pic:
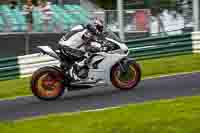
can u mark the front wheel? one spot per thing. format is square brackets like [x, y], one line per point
[47, 83]
[126, 80]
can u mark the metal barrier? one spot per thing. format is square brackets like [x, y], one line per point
[23, 66]
[160, 46]
[196, 42]
[153, 47]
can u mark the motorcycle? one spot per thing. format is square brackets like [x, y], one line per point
[110, 66]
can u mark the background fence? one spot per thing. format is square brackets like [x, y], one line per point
[153, 47]
[23, 66]
[160, 46]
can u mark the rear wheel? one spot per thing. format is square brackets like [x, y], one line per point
[126, 80]
[47, 83]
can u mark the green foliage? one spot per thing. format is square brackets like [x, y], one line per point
[106, 4]
[164, 4]
[160, 5]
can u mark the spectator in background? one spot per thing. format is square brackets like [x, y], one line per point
[155, 25]
[172, 21]
[28, 12]
[166, 22]
[141, 20]
[45, 8]
[13, 4]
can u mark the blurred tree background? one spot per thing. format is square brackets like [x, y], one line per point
[135, 4]
[107, 4]
[164, 4]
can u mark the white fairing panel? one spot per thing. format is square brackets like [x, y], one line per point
[77, 27]
[122, 46]
[104, 68]
[47, 50]
[110, 59]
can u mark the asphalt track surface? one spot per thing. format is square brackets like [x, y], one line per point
[102, 97]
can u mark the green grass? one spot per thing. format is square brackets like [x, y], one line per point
[153, 67]
[170, 65]
[17, 87]
[166, 116]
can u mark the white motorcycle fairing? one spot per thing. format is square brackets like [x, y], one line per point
[78, 27]
[47, 50]
[109, 60]
[104, 67]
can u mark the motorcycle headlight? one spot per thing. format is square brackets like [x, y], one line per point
[126, 51]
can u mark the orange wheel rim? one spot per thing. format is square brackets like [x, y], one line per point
[48, 86]
[126, 83]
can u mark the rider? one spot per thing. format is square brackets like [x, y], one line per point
[80, 38]
[82, 35]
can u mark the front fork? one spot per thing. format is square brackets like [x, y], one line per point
[124, 64]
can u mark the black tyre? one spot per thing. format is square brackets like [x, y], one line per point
[127, 80]
[47, 83]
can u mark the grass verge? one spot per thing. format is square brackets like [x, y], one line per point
[167, 116]
[150, 68]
